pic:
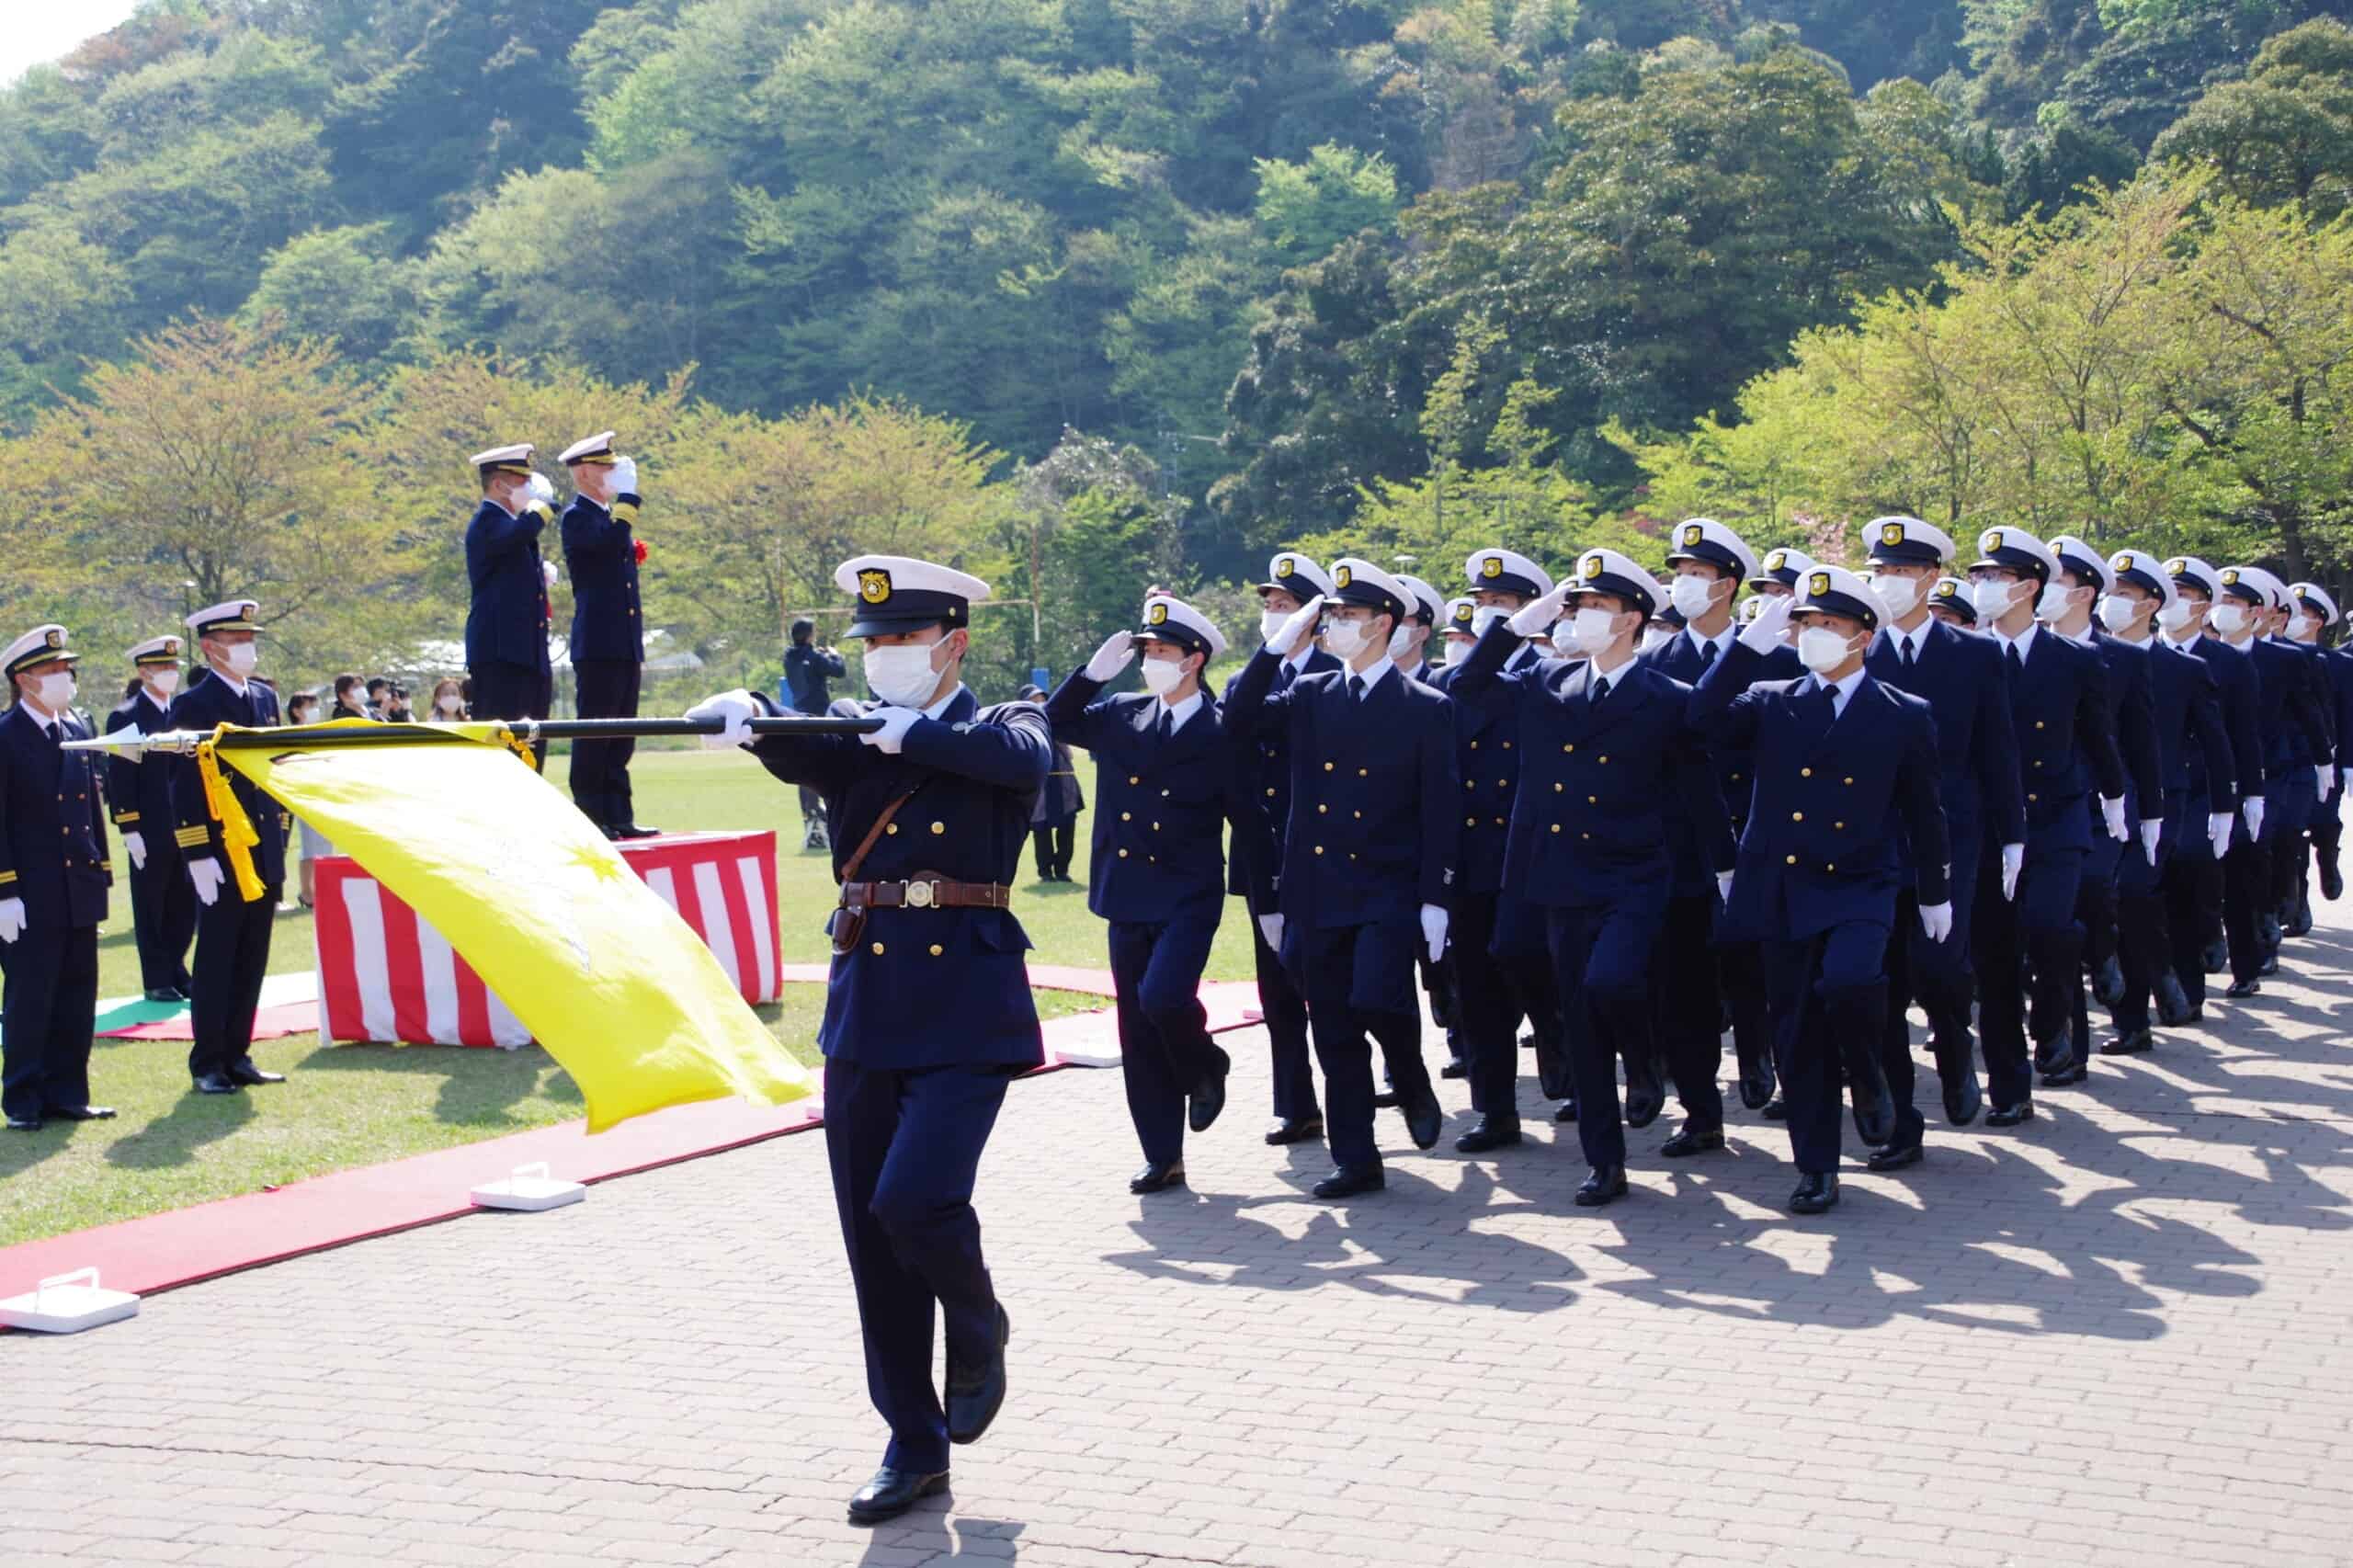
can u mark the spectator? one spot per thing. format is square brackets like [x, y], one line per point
[303, 708]
[349, 699]
[808, 666]
[1053, 821]
[449, 699]
[396, 706]
[378, 689]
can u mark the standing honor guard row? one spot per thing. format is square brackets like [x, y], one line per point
[163, 902]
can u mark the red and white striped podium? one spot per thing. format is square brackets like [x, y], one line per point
[385, 975]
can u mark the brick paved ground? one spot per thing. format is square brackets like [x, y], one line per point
[2120, 1339]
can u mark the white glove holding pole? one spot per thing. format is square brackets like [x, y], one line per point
[2013, 861]
[206, 875]
[1533, 619]
[2111, 811]
[735, 710]
[2218, 832]
[1112, 657]
[2151, 832]
[136, 848]
[1764, 634]
[2253, 808]
[1271, 927]
[1936, 919]
[1434, 931]
[1292, 634]
[12, 919]
[625, 476]
[896, 722]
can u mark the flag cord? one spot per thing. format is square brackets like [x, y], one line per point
[237, 835]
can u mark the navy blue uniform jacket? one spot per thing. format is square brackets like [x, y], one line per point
[2132, 704]
[807, 668]
[200, 707]
[1161, 812]
[507, 621]
[1601, 785]
[1680, 659]
[600, 556]
[52, 822]
[140, 792]
[1960, 677]
[1372, 832]
[1821, 847]
[930, 987]
[1487, 754]
[1266, 770]
[2066, 732]
[2188, 702]
[2240, 692]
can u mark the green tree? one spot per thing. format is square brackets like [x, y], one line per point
[2284, 133]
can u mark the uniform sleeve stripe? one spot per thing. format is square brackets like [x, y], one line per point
[626, 511]
[124, 819]
[6, 877]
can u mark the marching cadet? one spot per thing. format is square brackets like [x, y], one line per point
[928, 1013]
[1949, 602]
[2201, 779]
[1409, 650]
[162, 905]
[2084, 579]
[1502, 970]
[2294, 726]
[1776, 579]
[54, 880]
[1292, 580]
[1780, 574]
[1610, 755]
[2066, 744]
[1456, 629]
[1367, 855]
[1698, 977]
[1165, 785]
[2296, 629]
[1840, 758]
[507, 617]
[2317, 613]
[608, 645]
[232, 932]
[1961, 679]
[2196, 897]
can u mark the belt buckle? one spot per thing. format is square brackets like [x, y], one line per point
[920, 895]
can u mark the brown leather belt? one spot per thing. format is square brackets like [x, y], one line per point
[926, 892]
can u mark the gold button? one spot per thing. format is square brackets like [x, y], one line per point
[1568, 748]
[1499, 822]
[939, 827]
[1270, 789]
[1321, 808]
[1556, 827]
[878, 949]
[1558, 787]
[1793, 859]
[1506, 744]
[1364, 772]
[1475, 745]
[2032, 797]
[1735, 778]
[1123, 854]
[1155, 826]
[1838, 827]
[1360, 816]
[1327, 767]
[1352, 854]
[1469, 821]
[937, 949]
[2038, 762]
[892, 828]
[1850, 781]
[1805, 772]
[1163, 794]
[1605, 759]
[1585, 836]
[1134, 778]
[2038, 723]
[1469, 783]
[1796, 816]
[1319, 849]
[1123, 816]
[1593, 799]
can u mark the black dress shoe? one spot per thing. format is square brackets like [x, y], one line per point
[1646, 1092]
[2267, 930]
[1603, 1184]
[2011, 1115]
[1385, 1100]
[1455, 1068]
[2245, 988]
[81, 1113]
[216, 1083]
[1554, 1078]
[1347, 1181]
[2108, 985]
[2132, 1044]
[2054, 1053]
[892, 1492]
[2076, 1072]
[631, 830]
[1209, 1100]
[2173, 1007]
[24, 1124]
[1156, 1179]
[1963, 1096]
[1488, 1132]
[1566, 1111]
[1294, 1129]
[244, 1071]
[1818, 1190]
[1874, 1108]
[1424, 1119]
[614, 833]
[2271, 965]
[165, 993]
[1775, 1109]
[1757, 1082]
[2332, 881]
[2216, 958]
[2299, 922]
[975, 1393]
[1896, 1156]
[1692, 1140]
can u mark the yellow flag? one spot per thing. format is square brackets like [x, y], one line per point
[604, 973]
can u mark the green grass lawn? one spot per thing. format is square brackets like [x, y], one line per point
[355, 1105]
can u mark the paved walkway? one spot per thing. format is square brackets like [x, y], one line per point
[2125, 1338]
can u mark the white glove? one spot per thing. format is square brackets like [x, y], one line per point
[1292, 634]
[1112, 657]
[541, 492]
[624, 476]
[2150, 833]
[206, 876]
[2345, 778]
[136, 848]
[547, 572]
[1723, 886]
[735, 710]
[1531, 619]
[2321, 776]
[1764, 634]
[2218, 832]
[2111, 809]
[1434, 930]
[1936, 919]
[1271, 927]
[2013, 860]
[12, 919]
[2253, 807]
[896, 722]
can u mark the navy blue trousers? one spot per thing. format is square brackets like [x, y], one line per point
[608, 689]
[1602, 954]
[1937, 976]
[1285, 1011]
[2036, 929]
[1359, 981]
[1688, 1006]
[163, 911]
[904, 1146]
[47, 1010]
[1823, 988]
[232, 956]
[1165, 1052]
[511, 691]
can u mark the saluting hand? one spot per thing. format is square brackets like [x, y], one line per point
[1536, 618]
[1112, 657]
[624, 476]
[1292, 634]
[1764, 634]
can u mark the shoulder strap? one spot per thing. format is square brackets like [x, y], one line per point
[849, 867]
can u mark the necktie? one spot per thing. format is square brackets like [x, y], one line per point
[1356, 688]
[1600, 690]
[2017, 663]
[1707, 654]
[1167, 726]
[1910, 651]
[1829, 702]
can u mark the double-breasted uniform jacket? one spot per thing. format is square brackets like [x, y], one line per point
[139, 792]
[1487, 756]
[2194, 750]
[1682, 659]
[2066, 734]
[600, 557]
[209, 702]
[2290, 717]
[1822, 847]
[1960, 677]
[1372, 832]
[1266, 771]
[2238, 691]
[507, 619]
[2131, 708]
[52, 822]
[929, 987]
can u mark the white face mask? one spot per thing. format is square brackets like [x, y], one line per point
[2175, 616]
[1822, 650]
[2116, 612]
[164, 681]
[1270, 622]
[55, 691]
[2228, 620]
[1161, 675]
[2054, 603]
[1994, 599]
[446, 703]
[2303, 627]
[1897, 596]
[902, 674]
[1655, 637]
[1693, 596]
[1484, 620]
[1344, 640]
[241, 658]
[1401, 642]
[1591, 631]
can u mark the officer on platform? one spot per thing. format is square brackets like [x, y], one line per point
[1292, 580]
[1165, 785]
[1368, 855]
[506, 620]
[928, 1013]
[1841, 758]
[162, 905]
[608, 645]
[232, 931]
[54, 880]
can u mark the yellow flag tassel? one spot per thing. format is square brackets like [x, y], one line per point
[237, 832]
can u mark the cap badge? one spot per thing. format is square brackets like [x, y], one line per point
[1891, 533]
[2178, 565]
[1462, 612]
[2229, 576]
[1947, 589]
[1342, 576]
[1773, 561]
[1992, 541]
[874, 586]
[1593, 566]
[56, 638]
[2123, 561]
[1818, 584]
[1692, 534]
[1283, 566]
[2303, 590]
[1158, 615]
[1492, 567]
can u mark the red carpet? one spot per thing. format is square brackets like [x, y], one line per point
[269, 1023]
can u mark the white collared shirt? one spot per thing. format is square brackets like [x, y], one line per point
[1842, 692]
[1910, 645]
[1297, 663]
[940, 709]
[2023, 641]
[1721, 641]
[163, 704]
[1178, 713]
[1370, 674]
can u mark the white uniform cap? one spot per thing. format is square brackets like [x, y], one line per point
[2017, 548]
[2313, 597]
[1506, 571]
[1172, 620]
[2273, 591]
[1359, 582]
[163, 650]
[898, 593]
[2074, 555]
[1297, 575]
[1906, 541]
[1706, 539]
[596, 449]
[1784, 566]
[1458, 616]
[1608, 572]
[1427, 600]
[515, 458]
[2139, 566]
[229, 615]
[38, 646]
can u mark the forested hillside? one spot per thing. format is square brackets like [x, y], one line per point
[1148, 287]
